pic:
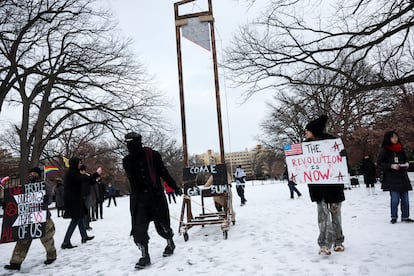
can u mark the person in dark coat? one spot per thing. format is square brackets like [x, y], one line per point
[59, 195]
[328, 197]
[369, 171]
[292, 185]
[111, 195]
[393, 163]
[87, 187]
[75, 208]
[144, 168]
[100, 197]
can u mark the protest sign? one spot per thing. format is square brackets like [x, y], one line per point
[196, 176]
[317, 162]
[23, 215]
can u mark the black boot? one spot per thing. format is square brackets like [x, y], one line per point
[12, 266]
[68, 245]
[88, 238]
[169, 249]
[145, 259]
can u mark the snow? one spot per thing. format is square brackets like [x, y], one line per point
[273, 235]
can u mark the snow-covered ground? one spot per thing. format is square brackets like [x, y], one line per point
[273, 235]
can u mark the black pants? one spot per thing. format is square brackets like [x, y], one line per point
[293, 189]
[240, 192]
[109, 202]
[149, 208]
[99, 209]
[171, 195]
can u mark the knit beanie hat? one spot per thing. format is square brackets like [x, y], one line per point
[36, 170]
[317, 126]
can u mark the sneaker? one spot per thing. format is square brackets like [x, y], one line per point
[67, 246]
[339, 248]
[88, 238]
[49, 261]
[143, 262]
[12, 266]
[394, 220]
[169, 249]
[324, 251]
[407, 220]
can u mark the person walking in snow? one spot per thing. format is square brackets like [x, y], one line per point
[291, 185]
[393, 163]
[87, 196]
[328, 197]
[22, 247]
[144, 168]
[75, 208]
[240, 177]
[369, 171]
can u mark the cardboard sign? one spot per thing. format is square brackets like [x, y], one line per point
[317, 162]
[23, 216]
[194, 177]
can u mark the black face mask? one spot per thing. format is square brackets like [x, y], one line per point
[33, 179]
[134, 146]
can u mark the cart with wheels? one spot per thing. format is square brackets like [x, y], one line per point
[205, 182]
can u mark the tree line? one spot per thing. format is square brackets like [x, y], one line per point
[352, 61]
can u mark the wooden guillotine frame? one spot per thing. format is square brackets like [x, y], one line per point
[222, 218]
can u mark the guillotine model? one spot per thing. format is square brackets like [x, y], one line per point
[213, 177]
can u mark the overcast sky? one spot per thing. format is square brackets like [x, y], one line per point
[151, 25]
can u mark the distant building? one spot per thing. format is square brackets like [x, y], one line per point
[247, 159]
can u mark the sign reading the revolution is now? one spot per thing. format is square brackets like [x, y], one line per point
[23, 215]
[317, 162]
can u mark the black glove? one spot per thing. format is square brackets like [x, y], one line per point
[178, 191]
[46, 198]
[343, 153]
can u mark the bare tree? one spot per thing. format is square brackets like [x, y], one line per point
[349, 113]
[63, 61]
[171, 152]
[295, 39]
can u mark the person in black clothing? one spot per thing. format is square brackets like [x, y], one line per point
[86, 196]
[75, 208]
[393, 162]
[369, 171]
[328, 197]
[291, 185]
[144, 167]
[100, 198]
[59, 195]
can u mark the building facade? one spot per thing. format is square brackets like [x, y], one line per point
[248, 159]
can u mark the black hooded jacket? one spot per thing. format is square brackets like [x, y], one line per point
[144, 168]
[74, 205]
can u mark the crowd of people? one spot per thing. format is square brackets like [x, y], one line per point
[80, 196]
